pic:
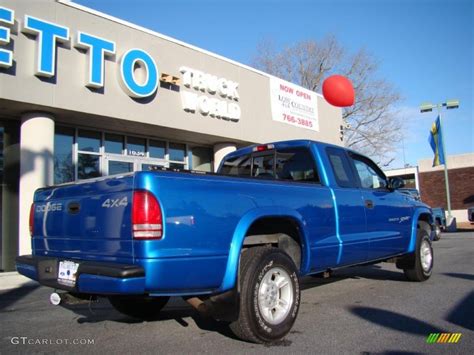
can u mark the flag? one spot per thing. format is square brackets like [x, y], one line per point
[436, 142]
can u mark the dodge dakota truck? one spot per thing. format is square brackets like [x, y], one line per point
[271, 214]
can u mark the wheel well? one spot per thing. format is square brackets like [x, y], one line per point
[426, 221]
[283, 233]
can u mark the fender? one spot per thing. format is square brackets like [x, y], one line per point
[238, 237]
[419, 211]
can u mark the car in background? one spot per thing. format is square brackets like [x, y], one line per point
[439, 215]
[470, 214]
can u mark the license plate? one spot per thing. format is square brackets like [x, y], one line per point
[67, 272]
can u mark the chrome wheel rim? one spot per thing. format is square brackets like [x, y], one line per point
[426, 256]
[275, 295]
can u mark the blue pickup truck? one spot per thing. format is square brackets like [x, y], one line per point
[272, 213]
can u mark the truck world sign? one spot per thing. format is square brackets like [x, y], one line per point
[48, 35]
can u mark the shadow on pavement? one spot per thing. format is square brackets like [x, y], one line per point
[460, 276]
[179, 311]
[463, 313]
[395, 321]
[392, 352]
[371, 272]
[9, 297]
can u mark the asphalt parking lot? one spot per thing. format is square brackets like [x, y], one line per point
[364, 310]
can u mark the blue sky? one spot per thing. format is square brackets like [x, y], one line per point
[425, 48]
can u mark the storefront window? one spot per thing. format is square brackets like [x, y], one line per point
[1, 154]
[63, 162]
[177, 152]
[136, 146]
[88, 141]
[88, 166]
[85, 154]
[201, 159]
[120, 167]
[113, 143]
[157, 149]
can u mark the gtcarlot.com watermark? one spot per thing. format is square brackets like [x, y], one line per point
[48, 341]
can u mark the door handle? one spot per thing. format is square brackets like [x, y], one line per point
[369, 203]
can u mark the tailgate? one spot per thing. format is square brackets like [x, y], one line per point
[88, 221]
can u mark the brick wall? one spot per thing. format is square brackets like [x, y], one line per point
[461, 187]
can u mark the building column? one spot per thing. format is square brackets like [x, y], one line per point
[220, 151]
[11, 177]
[417, 179]
[36, 166]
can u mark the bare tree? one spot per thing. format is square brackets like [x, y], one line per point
[374, 126]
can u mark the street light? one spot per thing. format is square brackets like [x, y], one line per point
[428, 107]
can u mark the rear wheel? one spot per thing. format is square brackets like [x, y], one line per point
[140, 307]
[269, 295]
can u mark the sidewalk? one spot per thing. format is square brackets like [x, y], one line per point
[10, 280]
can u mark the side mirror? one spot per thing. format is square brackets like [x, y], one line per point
[396, 183]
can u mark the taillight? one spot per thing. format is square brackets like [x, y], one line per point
[32, 219]
[146, 216]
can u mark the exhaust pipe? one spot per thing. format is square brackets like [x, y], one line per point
[199, 305]
[55, 299]
[224, 307]
[70, 299]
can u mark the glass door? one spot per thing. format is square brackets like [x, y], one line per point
[115, 165]
[153, 164]
[119, 164]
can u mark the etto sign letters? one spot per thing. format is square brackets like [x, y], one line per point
[48, 35]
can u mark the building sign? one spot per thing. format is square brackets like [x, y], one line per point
[293, 104]
[138, 72]
[210, 95]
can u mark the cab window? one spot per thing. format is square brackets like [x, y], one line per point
[341, 167]
[369, 174]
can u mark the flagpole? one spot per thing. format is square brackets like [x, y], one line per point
[448, 195]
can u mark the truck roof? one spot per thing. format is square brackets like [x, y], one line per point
[281, 145]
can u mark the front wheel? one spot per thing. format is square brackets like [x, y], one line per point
[140, 307]
[421, 265]
[269, 295]
[437, 231]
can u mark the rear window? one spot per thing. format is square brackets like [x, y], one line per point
[292, 164]
[296, 164]
[237, 166]
[263, 166]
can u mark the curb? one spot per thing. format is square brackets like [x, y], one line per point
[12, 280]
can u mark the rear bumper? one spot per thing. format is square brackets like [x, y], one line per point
[92, 277]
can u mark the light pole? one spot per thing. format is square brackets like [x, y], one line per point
[428, 107]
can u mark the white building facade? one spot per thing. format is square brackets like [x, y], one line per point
[83, 95]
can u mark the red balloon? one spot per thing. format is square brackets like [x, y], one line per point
[338, 91]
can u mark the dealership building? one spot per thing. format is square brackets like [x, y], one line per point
[430, 182]
[85, 95]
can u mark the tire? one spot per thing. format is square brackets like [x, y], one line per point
[141, 307]
[437, 231]
[421, 265]
[269, 295]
